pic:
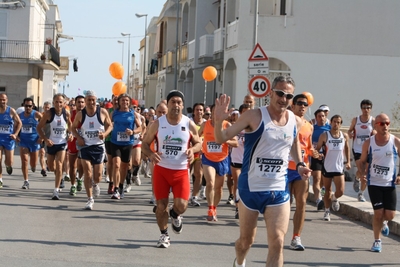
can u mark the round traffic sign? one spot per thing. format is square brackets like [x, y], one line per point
[259, 86]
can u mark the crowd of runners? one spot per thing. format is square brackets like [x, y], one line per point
[266, 156]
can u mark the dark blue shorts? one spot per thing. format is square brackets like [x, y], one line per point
[52, 150]
[95, 154]
[221, 167]
[258, 201]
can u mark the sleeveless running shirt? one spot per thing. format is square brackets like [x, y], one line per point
[28, 129]
[333, 161]
[362, 132]
[90, 128]
[122, 120]
[382, 163]
[266, 151]
[173, 141]
[58, 128]
[6, 124]
[210, 148]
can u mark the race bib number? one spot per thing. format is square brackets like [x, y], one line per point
[27, 129]
[122, 137]
[213, 147]
[59, 132]
[171, 152]
[92, 134]
[336, 144]
[380, 171]
[269, 168]
[4, 129]
[361, 139]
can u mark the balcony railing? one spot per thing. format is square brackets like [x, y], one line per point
[191, 49]
[28, 50]
[219, 35]
[232, 34]
[206, 48]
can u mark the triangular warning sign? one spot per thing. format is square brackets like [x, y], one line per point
[258, 54]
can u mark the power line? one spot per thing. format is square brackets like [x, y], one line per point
[100, 37]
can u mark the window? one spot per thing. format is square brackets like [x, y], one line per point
[2, 88]
[3, 24]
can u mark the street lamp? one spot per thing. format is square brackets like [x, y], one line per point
[138, 15]
[129, 56]
[63, 85]
[122, 42]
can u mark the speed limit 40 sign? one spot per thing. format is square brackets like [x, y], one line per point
[259, 86]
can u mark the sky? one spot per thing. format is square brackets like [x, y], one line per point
[96, 26]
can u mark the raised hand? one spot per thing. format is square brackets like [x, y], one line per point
[221, 110]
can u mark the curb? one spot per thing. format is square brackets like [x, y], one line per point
[360, 211]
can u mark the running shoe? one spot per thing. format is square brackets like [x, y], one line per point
[236, 213]
[122, 194]
[230, 200]
[67, 178]
[164, 241]
[194, 202]
[327, 216]
[33, 169]
[96, 190]
[361, 197]
[72, 191]
[176, 224]
[9, 170]
[128, 188]
[212, 215]
[296, 244]
[335, 205]
[137, 181]
[107, 179]
[89, 204]
[376, 246]
[80, 185]
[55, 195]
[322, 191]
[1, 184]
[320, 204]
[152, 200]
[43, 173]
[356, 184]
[110, 190]
[385, 229]
[62, 185]
[116, 195]
[25, 185]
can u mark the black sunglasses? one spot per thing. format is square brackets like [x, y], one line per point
[281, 93]
[28, 106]
[302, 103]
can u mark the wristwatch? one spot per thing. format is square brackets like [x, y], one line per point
[300, 164]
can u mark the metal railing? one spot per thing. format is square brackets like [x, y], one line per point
[29, 50]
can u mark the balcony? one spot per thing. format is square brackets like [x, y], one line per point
[191, 49]
[232, 34]
[183, 54]
[219, 40]
[27, 52]
[206, 49]
[167, 61]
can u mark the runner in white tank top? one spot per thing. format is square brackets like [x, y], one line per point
[335, 143]
[361, 128]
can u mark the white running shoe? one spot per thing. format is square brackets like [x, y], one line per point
[327, 216]
[55, 195]
[96, 190]
[137, 181]
[127, 188]
[335, 205]
[296, 244]
[164, 241]
[89, 204]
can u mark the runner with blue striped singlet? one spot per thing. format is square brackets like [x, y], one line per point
[29, 140]
[10, 125]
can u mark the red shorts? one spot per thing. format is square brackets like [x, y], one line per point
[72, 147]
[164, 179]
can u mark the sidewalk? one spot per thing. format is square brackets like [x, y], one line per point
[361, 211]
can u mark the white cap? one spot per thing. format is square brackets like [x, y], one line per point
[145, 110]
[324, 108]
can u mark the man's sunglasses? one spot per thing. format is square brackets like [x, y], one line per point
[281, 93]
[381, 123]
[302, 103]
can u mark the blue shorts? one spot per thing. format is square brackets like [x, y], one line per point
[52, 150]
[292, 176]
[7, 143]
[95, 154]
[258, 201]
[32, 146]
[221, 167]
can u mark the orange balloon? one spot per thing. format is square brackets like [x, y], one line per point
[119, 88]
[116, 70]
[310, 98]
[209, 73]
